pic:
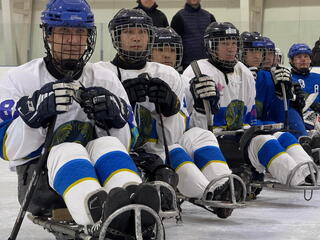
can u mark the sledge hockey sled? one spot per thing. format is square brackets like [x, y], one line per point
[67, 229]
[310, 186]
[231, 144]
[48, 210]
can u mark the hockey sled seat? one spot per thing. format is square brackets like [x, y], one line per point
[44, 199]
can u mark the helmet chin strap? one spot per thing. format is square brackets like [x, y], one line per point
[301, 71]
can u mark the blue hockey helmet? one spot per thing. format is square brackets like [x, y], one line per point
[299, 48]
[269, 44]
[68, 14]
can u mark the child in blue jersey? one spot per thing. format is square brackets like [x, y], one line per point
[269, 99]
[300, 59]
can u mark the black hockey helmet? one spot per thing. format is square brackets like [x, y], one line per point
[216, 32]
[167, 37]
[269, 53]
[131, 18]
[251, 41]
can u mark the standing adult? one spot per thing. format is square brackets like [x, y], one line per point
[190, 23]
[159, 19]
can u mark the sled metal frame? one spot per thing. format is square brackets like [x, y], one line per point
[71, 230]
[175, 212]
[314, 169]
[314, 173]
[220, 204]
[137, 208]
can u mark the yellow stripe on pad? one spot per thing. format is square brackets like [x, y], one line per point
[4, 149]
[77, 182]
[213, 161]
[277, 155]
[118, 171]
[182, 164]
[292, 145]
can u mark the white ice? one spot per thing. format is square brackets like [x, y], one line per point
[275, 215]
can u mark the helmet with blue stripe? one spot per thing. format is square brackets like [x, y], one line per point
[68, 14]
[299, 48]
[269, 44]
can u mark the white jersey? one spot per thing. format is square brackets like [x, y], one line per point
[146, 116]
[21, 143]
[237, 100]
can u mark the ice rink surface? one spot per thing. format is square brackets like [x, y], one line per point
[275, 215]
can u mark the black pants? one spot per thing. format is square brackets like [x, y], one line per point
[44, 198]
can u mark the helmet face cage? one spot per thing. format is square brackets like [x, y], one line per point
[268, 58]
[69, 48]
[212, 44]
[256, 48]
[247, 56]
[165, 49]
[138, 38]
[69, 34]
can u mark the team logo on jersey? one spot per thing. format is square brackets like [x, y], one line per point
[234, 115]
[73, 131]
[145, 124]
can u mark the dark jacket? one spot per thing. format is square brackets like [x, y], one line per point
[159, 18]
[190, 23]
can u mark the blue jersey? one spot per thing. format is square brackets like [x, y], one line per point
[271, 109]
[309, 83]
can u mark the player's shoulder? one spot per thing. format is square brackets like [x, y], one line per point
[205, 67]
[243, 68]
[159, 70]
[28, 68]
[25, 74]
[100, 73]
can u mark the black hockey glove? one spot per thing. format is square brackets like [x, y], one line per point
[136, 89]
[52, 99]
[106, 109]
[315, 107]
[299, 102]
[204, 88]
[160, 93]
[282, 75]
[254, 71]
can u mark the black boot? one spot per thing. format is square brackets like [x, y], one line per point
[315, 145]
[168, 175]
[305, 142]
[223, 193]
[116, 199]
[147, 195]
